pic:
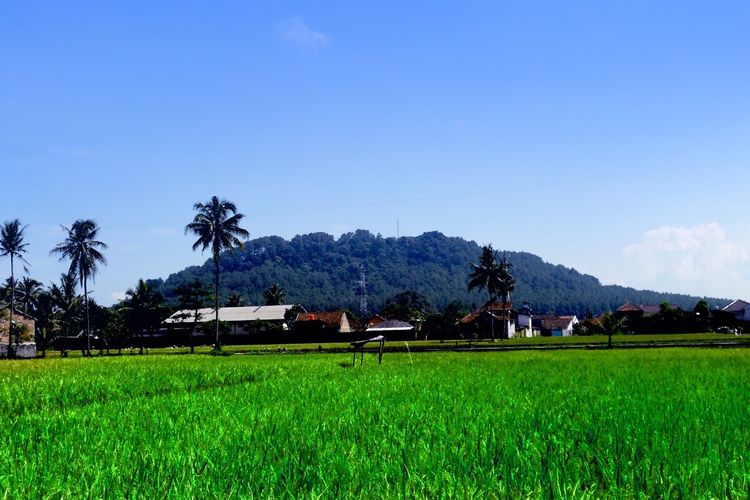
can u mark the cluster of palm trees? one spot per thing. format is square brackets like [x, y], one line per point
[57, 309]
[493, 275]
[60, 310]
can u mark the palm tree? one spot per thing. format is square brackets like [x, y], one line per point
[235, 300]
[67, 302]
[12, 245]
[28, 293]
[142, 308]
[44, 316]
[216, 224]
[191, 298]
[83, 250]
[274, 295]
[67, 307]
[486, 274]
[5, 291]
[494, 277]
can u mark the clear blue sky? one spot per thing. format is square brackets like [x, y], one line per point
[613, 137]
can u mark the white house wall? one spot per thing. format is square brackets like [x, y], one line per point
[524, 321]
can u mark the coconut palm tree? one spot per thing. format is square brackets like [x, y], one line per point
[217, 225]
[27, 294]
[486, 274]
[5, 291]
[67, 305]
[13, 246]
[274, 295]
[44, 316]
[142, 308]
[83, 250]
[235, 300]
[494, 277]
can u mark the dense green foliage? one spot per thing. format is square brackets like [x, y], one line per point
[321, 272]
[660, 423]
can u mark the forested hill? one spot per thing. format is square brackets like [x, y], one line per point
[321, 272]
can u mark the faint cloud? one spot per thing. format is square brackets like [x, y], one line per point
[700, 257]
[297, 32]
[459, 123]
[118, 296]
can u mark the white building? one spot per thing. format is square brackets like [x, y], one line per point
[241, 319]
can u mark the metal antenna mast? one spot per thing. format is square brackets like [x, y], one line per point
[362, 292]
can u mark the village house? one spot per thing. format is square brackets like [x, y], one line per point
[632, 316]
[738, 309]
[524, 323]
[315, 324]
[629, 310]
[552, 325]
[563, 326]
[495, 319]
[374, 320]
[27, 346]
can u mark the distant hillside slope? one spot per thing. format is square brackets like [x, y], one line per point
[322, 272]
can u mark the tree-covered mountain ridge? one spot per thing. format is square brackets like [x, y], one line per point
[322, 272]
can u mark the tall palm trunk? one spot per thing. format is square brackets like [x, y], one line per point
[491, 301]
[88, 320]
[11, 352]
[216, 302]
[192, 338]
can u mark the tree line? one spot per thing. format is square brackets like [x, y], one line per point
[323, 273]
[421, 277]
[59, 310]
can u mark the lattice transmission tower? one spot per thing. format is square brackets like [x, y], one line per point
[362, 292]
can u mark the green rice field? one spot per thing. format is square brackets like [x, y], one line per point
[664, 423]
[461, 344]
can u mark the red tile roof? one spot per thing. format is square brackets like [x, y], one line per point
[330, 318]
